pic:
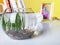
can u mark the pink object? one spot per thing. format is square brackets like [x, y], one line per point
[45, 12]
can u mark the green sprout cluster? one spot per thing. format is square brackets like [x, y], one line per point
[17, 26]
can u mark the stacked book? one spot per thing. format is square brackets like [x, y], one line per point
[12, 6]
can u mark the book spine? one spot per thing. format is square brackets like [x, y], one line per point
[1, 8]
[8, 6]
[13, 5]
[20, 5]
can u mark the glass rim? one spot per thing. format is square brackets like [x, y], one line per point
[19, 11]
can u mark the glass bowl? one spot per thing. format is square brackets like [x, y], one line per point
[21, 24]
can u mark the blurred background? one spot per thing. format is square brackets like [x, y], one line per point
[36, 5]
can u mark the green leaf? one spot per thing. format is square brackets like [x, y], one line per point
[3, 23]
[8, 24]
[13, 26]
[18, 22]
[23, 22]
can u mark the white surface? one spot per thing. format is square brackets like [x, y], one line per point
[51, 37]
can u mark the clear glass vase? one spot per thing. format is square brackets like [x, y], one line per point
[20, 23]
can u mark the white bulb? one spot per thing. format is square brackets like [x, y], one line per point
[36, 33]
[13, 17]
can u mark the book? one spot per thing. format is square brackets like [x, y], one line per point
[1, 8]
[21, 5]
[13, 5]
[7, 6]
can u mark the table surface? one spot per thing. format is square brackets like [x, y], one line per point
[50, 37]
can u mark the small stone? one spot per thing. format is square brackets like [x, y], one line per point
[22, 34]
